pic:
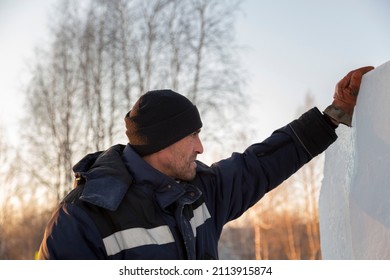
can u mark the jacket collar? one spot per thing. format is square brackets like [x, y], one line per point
[109, 174]
[165, 189]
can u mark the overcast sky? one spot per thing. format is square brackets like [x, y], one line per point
[289, 48]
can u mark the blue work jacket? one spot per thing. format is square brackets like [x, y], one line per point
[122, 208]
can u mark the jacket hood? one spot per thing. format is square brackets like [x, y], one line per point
[106, 177]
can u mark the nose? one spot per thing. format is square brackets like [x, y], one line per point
[198, 147]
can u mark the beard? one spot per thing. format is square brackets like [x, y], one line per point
[185, 172]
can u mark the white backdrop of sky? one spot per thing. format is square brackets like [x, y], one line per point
[289, 48]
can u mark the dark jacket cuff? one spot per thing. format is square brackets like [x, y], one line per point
[314, 132]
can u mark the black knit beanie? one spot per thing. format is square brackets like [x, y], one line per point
[160, 118]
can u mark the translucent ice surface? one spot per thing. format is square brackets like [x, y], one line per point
[354, 204]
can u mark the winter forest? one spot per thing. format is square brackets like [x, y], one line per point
[101, 56]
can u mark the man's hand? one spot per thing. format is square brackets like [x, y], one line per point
[345, 96]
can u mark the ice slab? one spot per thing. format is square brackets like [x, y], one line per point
[354, 203]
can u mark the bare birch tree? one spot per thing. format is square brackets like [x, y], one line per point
[21, 215]
[104, 54]
[51, 107]
[308, 179]
[3, 192]
[285, 222]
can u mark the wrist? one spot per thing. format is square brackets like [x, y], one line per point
[332, 122]
[337, 115]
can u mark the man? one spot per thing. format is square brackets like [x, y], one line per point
[152, 199]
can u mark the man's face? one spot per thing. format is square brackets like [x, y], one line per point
[180, 157]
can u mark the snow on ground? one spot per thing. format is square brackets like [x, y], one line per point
[354, 203]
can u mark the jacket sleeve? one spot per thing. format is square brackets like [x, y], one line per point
[240, 181]
[71, 235]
